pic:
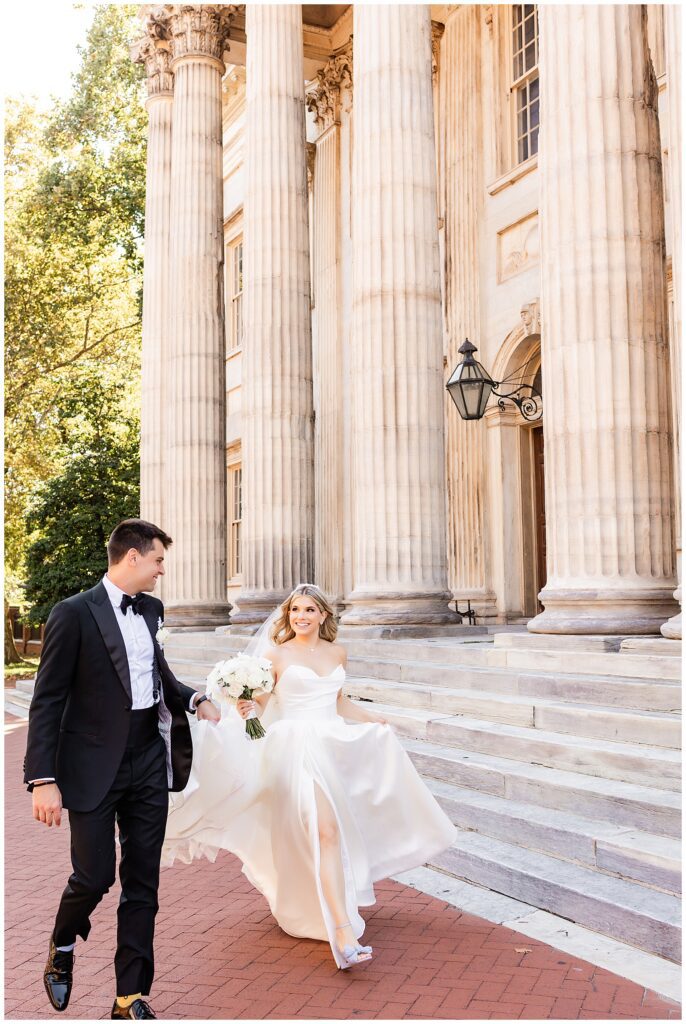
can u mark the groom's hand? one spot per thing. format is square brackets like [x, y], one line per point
[47, 804]
[208, 712]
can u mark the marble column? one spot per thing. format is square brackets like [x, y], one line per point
[154, 52]
[196, 476]
[466, 443]
[398, 452]
[330, 91]
[673, 57]
[276, 399]
[609, 491]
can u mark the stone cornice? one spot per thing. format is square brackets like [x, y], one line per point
[324, 95]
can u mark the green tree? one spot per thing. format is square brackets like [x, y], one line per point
[74, 207]
[73, 513]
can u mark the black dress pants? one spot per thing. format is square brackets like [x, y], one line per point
[138, 801]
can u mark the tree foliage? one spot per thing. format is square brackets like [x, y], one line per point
[74, 207]
[72, 515]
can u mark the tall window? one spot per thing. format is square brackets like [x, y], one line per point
[525, 79]
[236, 507]
[236, 291]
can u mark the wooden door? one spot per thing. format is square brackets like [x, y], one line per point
[539, 510]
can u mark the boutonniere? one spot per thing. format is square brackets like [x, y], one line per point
[162, 634]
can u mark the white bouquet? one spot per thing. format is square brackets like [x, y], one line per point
[237, 679]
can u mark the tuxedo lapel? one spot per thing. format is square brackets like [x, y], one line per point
[152, 621]
[102, 611]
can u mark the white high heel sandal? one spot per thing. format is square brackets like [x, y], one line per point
[356, 954]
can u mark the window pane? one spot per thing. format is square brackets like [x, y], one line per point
[524, 67]
[533, 115]
[530, 60]
[522, 123]
[238, 304]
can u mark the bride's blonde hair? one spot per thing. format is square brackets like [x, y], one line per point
[281, 631]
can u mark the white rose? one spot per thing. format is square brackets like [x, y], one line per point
[162, 635]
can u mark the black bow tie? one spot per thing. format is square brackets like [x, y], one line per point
[131, 602]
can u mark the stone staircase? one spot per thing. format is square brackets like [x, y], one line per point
[559, 764]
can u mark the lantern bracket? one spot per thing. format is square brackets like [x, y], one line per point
[530, 405]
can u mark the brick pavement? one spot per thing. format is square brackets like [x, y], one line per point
[221, 956]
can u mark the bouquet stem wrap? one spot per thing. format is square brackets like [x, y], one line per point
[253, 726]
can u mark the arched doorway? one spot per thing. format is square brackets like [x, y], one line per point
[518, 478]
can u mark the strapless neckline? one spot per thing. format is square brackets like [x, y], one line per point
[308, 669]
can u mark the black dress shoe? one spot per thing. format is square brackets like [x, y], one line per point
[139, 1010]
[58, 976]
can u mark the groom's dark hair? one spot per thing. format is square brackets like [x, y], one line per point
[134, 533]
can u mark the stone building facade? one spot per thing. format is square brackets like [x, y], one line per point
[339, 195]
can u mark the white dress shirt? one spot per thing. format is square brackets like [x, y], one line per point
[140, 650]
[139, 647]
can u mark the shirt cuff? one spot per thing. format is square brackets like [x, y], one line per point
[32, 782]
[191, 702]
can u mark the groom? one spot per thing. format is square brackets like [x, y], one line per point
[108, 737]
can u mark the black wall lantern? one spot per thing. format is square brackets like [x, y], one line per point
[471, 386]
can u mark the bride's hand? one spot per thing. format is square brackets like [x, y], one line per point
[245, 707]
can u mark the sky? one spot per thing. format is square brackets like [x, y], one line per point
[38, 48]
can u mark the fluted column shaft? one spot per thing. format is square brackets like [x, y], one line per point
[154, 53]
[396, 357]
[327, 98]
[672, 16]
[609, 487]
[196, 495]
[276, 400]
[465, 442]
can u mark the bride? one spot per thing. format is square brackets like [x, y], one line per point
[317, 810]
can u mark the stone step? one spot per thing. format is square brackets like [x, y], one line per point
[645, 808]
[628, 853]
[478, 651]
[638, 694]
[626, 911]
[27, 685]
[641, 694]
[17, 702]
[636, 763]
[610, 723]
[651, 645]
[640, 764]
[638, 666]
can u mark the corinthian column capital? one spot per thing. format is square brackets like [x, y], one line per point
[153, 50]
[325, 95]
[200, 30]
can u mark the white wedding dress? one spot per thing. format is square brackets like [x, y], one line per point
[256, 798]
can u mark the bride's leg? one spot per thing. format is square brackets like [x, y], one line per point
[331, 869]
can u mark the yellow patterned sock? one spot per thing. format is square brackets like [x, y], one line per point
[126, 1001]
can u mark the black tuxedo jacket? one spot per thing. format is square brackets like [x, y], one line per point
[81, 707]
